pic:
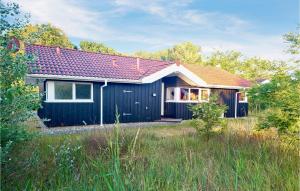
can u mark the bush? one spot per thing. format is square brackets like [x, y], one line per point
[279, 102]
[207, 115]
[17, 99]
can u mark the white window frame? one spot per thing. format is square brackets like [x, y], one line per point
[168, 92]
[177, 95]
[246, 98]
[200, 95]
[50, 93]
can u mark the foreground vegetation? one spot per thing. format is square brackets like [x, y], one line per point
[160, 158]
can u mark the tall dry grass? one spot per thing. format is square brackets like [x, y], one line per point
[234, 158]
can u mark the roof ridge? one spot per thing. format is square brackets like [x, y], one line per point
[126, 56]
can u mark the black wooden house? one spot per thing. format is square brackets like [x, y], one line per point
[90, 88]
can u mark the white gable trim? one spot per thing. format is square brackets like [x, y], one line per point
[183, 72]
[81, 78]
[177, 70]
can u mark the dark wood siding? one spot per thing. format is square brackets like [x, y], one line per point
[134, 102]
[180, 110]
[175, 81]
[67, 114]
[227, 97]
[242, 109]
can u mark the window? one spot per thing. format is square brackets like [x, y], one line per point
[184, 94]
[241, 96]
[170, 93]
[60, 91]
[204, 94]
[83, 91]
[194, 93]
[63, 90]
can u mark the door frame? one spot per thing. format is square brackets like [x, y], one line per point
[162, 105]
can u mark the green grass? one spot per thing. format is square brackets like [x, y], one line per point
[160, 158]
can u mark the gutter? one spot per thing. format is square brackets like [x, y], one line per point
[81, 78]
[101, 102]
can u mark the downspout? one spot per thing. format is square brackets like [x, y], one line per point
[101, 102]
[235, 105]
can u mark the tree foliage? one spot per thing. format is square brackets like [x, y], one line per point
[207, 115]
[253, 68]
[229, 60]
[158, 55]
[279, 100]
[45, 34]
[97, 47]
[293, 39]
[17, 100]
[185, 53]
[257, 68]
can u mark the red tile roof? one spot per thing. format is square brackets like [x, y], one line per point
[217, 76]
[69, 62]
[50, 60]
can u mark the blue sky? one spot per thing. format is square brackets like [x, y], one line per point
[254, 27]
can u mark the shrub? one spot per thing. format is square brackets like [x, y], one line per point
[17, 99]
[278, 101]
[207, 115]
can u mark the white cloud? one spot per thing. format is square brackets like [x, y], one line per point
[176, 13]
[71, 17]
[171, 23]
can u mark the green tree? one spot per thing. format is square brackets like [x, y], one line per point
[207, 115]
[158, 55]
[186, 53]
[293, 39]
[250, 68]
[256, 68]
[97, 47]
[17, 100]
[45, 34]
[229, 60]
[279, 102]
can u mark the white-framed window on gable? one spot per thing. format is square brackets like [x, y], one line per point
[184, 94]
[194, 94]
[242, 97]
[204, 94]
[63, 91]
[170, 94]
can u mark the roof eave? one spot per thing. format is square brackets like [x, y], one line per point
[82, 78]
[227, 87]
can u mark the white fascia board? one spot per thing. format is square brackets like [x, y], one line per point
[80, 78]
[227, 87]
[174, 69]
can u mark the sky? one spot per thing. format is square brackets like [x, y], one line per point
[253, 27]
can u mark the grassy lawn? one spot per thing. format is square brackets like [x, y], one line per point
[158, 158]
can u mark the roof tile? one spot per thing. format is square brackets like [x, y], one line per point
[89, 64]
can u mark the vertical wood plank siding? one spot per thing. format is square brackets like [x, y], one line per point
[227, 97]
[242, 109]
[68, 114]
[135, 103]
[180, 110]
